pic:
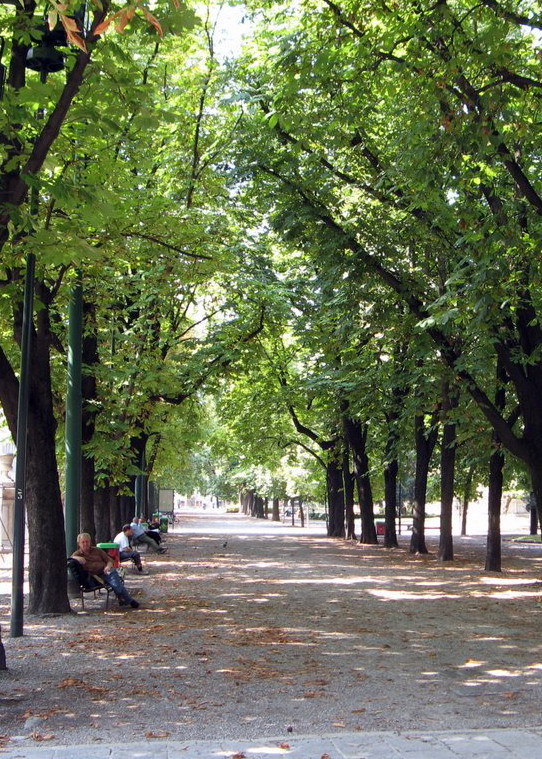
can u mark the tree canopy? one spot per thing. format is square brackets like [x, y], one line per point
[316, 258]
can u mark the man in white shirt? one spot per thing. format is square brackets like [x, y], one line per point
[126, 550]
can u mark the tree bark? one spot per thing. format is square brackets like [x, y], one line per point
[335, 498]
[467, 494]
[301, 513]
[447, 474]
[258, 508]
[115, 517]
[3, 664]
[356, 434]
[425, 443]
[275, 517]
[102, 514]
[126, 507]
[348, 484]
[390, 490]
[90, 360]
[493, 552]
[496, 466]
[533, 515]
[47, 544]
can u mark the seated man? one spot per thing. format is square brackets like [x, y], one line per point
[150, 531]
[99, 563]
[125, 549]
[140, 536]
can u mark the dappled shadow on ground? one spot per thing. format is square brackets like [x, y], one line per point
[247, 634]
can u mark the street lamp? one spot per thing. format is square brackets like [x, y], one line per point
[45, 59]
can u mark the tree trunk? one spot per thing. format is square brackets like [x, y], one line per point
[335, 498]
[425, 443]
[90, 360]
[348, 484]
[115, 518]
[447, 474]
[276, 510]
[533, 514]
[47, 543]
[356, 434]
[301, 513]
[258, 508]
[390, 491]
[467, 494]
[493, 552]
[496, 466]
[3, 664]
[87, 497]
[101, 514]
[128, 506]
[494, 498]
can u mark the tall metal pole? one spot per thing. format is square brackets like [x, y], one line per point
[72, 496]
[17, 592]
[17, 584]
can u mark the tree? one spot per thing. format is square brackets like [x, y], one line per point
[399, 155]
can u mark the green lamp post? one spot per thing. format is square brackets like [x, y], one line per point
[45, 59]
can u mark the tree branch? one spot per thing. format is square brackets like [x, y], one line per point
[405, 290]
[219, 360]
[515, 18]
[169, 246]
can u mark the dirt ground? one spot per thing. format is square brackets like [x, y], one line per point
[249, 629]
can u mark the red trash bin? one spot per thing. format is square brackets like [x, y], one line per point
[113, 549]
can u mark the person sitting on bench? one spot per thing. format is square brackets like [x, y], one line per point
[152, 532]
[140, 536]
[97, 562]
[125, 549]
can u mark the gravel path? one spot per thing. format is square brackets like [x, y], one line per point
[249, 628]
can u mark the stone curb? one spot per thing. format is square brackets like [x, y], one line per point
[453, 744]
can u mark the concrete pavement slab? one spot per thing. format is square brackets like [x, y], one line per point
[520, 743]
[476, 744]
[83, 752]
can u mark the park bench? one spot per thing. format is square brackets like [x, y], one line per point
[88, 583]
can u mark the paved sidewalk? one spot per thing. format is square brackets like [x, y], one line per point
[475, 744]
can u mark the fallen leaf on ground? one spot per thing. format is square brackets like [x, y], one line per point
[69, 682]
[42, 737]
[157, 734]
[284, 745]
[325, 756]
[238, 755]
